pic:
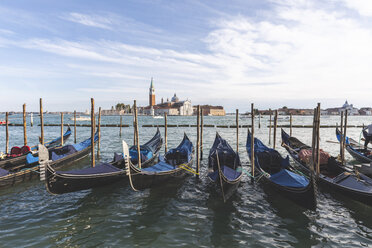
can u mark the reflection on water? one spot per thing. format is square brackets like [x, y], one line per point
[186, 213]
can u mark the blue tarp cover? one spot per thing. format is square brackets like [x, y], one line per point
[99, 169]
[31, 159]
[85, 143]
[66, 150]
[229, 173]
[3, 172]
[289, 179]
[161, 166]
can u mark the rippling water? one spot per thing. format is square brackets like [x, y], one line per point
[186, 213]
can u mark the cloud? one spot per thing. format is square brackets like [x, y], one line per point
[363, 7]
[296, 51]
[89, 20]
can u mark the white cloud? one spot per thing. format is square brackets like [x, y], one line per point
[89, 20]
[300, 52]
[364, 7]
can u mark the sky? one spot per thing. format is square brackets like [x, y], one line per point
[291, 53]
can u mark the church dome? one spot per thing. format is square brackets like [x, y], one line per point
[175, 98]
[346, 104]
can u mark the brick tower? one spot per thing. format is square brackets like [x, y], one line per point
[152, 94]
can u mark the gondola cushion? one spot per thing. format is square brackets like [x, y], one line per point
[161, 166]
[289, 179]
[63, 152]
[229, 173]
[99, 169]
[31, 159]
[3, 172]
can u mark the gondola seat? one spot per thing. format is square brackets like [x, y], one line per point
[99, 169]
[228, 172]
[64, 151]
[289, 179]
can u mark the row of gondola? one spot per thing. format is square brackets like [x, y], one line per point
[297, 183]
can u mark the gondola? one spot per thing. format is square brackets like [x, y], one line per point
[18, 156]
[355, 149]
[332, 174]
[281, 176]
[58, 156]
[60, 182]
[224, 167]
[175, 164]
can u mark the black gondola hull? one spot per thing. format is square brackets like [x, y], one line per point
[9, 163]
[66, 183]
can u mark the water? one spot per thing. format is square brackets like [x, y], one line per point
[187, 213]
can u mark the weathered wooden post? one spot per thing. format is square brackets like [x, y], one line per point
[313, 142]
[137, 134]
[259, 120]
[62, 129]
[24, 125]
[165, 132]
[344, 139]
[341, 130]
[237, 130]
[121, 124]
[32, 119]
[252, 143]
[317, 141]
[6, 133]
[275, 125]
[41, 122]
[290, 124]
[75, 126]
[198, 142]
[270, 127]
[99, 133]
[92, 120]
[201, 133]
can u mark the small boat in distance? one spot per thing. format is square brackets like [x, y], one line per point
[81, 118]
[158, 117]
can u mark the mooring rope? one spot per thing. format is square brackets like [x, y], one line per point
[188, 168]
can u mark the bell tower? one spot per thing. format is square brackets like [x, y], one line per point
[152, 94]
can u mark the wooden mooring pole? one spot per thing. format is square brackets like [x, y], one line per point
[137, 134]
[259, 120]
[165, 133]
[62, 129]
[290, 124]
[198, 142]
[41, 122]
[92, 121]
[75, 126]
[252, 144]
[342, 130]
[237, 130]
[275, 126]
[6, 133]
[270, 127]
[99, 133]
[344, 140]
[201, 133]
[24, 125]
[313, 141]
[121, 124]
[317, 141]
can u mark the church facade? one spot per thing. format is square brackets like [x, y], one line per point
[172, 107]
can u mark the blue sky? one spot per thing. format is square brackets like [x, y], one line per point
[231, 53]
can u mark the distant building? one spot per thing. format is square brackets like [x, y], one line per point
[211, 110]
[350, 109]
[173, 107]
[365, 111]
